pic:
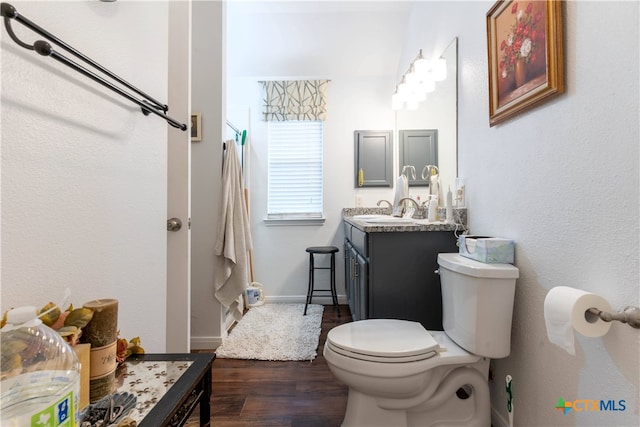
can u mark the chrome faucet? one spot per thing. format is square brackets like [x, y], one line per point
[389, 209]
[418, 211]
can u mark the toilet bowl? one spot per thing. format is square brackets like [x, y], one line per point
[400, 374]
[390, 389]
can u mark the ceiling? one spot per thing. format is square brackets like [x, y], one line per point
[315, 39]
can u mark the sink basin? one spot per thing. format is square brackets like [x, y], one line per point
[390, 220]
[371, 216]
[383, 219]
[425, 221]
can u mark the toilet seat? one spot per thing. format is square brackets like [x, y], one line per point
[383, 340]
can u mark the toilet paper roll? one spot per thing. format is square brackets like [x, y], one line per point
[564, 312]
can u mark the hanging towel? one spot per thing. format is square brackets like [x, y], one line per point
[402, 191]
[434, 187]
[231, 275]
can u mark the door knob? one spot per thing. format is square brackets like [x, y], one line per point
[174, 224]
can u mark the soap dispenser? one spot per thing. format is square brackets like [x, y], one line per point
[433, 208]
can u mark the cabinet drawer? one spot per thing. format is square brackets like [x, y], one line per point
[360, 241]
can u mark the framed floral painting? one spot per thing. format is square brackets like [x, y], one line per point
[526, 56]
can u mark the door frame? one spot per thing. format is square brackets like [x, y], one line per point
[178, 310]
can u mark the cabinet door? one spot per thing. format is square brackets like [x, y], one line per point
[402, 279]
[354, 304]
[362, 287]
[418, 148]
[373, 157]
[349, 276]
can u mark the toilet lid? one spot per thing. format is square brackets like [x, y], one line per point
[386, 340]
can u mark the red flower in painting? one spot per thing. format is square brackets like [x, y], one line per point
[521, 40]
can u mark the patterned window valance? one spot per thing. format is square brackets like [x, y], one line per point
[295, 100]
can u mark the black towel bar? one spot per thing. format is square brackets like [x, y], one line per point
[147, 105]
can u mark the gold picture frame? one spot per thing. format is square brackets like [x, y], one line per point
[196, 127]
[526, 55]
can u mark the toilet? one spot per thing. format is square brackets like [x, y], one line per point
[400, 374]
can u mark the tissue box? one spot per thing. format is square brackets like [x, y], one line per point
[494, 250]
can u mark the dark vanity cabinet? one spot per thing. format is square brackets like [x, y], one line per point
[393, 274]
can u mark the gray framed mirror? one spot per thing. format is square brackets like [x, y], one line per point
[373, 158]
[438, 116]
[418, 148]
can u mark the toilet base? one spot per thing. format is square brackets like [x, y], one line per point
[444, 407]
[362, 411]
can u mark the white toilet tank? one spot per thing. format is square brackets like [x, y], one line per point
[477, 304]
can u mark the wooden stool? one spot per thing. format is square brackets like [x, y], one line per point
[322, 250]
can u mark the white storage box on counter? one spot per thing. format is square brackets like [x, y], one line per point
[492, 250]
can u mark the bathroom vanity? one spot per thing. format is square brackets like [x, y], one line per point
[390, 269]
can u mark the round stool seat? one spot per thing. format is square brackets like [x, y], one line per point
[322, 249]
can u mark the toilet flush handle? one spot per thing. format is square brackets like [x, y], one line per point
[437, 271]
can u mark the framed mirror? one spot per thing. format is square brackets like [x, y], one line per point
[437, 115]
[417, 149]
[373, 158]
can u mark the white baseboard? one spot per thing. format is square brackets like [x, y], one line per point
[300, 299]
[205, 343]
[497, 420]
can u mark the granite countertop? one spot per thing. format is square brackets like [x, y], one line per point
[421, 225]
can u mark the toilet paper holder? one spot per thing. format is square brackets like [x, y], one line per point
[630, 315]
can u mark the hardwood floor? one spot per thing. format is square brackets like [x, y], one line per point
[284, 394]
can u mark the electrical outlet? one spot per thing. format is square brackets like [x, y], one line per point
[358, 201]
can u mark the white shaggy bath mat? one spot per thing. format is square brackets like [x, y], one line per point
[275, 332]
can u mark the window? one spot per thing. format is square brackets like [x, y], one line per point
[295, 172]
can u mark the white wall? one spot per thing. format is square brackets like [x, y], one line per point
[562, 180]
[208, 89]
[83, 171]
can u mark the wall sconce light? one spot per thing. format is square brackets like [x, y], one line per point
[420, 79]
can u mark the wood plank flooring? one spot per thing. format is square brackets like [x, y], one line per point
[248, 393]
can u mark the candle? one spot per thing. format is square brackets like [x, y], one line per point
[103, 327]
[102, 333]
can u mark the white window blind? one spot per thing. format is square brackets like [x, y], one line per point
[295, 170]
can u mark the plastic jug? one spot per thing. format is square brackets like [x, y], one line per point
[40, 374]
[254, 295]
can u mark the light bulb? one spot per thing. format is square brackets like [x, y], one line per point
[440, 69]
[428, 85]
[404, 88]
[412, 105]
[419, 96]
[412, 78]
[421, 66]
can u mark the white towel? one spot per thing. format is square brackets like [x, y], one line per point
[402, 191]
[434, 188]
[231, 261]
